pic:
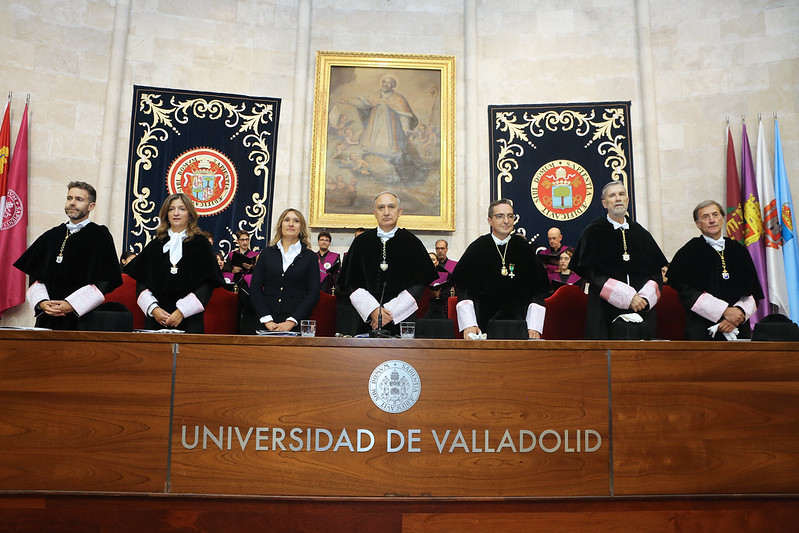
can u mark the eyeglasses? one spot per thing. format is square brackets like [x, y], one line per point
[504, 216]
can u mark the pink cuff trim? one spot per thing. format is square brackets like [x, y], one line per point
[617, 293]
[401, 307]
[189, 305]
[363, 302]
[467, 318]
[651, 292]
[146, 301]
[709, 307]
[535, 317]
[36, 293]
[85, 299]
[748, 304]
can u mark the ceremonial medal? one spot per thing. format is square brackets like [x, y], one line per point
[511, 275]
[383, 266]
[327, 266]
[504, 271]
[725, 275]
[626, 257]
[383, 263]
[59, 258]
[173, 270]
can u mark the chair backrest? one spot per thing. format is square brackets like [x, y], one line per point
[222, 313]
[565, 318]
[324, 312]
[671, 315]
[452, 314]
[126, 295]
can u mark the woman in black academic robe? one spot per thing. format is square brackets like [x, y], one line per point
[285, 282]
[176, 272]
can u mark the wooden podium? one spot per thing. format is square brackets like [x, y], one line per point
[404, 435]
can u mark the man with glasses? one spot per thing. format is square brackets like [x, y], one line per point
[716, 280]
[499, 277]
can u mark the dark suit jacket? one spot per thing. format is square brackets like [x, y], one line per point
[292, 293]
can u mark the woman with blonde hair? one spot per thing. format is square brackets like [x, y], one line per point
[285, 282]
[177, 271]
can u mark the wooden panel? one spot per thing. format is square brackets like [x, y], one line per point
[466, 387]
[710, 420]
[84, 415]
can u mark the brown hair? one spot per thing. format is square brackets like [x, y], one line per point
[279, 228]
[191, 230]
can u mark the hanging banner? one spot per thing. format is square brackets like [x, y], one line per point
[552, 161]
[219, 149]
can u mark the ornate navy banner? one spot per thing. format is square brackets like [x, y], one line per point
[219, 149]
[552, 160]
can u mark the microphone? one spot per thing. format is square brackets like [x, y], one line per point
[380, 333]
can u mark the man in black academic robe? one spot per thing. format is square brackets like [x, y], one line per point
[387, 265]
[71, 266]
[500, 277]
[716, 280]
[621, 262]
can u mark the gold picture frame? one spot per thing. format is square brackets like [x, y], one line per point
[383, 122]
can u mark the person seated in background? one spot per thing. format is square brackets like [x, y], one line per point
[550, 256]
[565, 276]
[386, 270]
[71, 266]
[433, 258]
[240, 262]
[441, 289]
[176, 272]
[500, 277]
[125, 258]
[621, 262]
[285, 284]
[329, 263]
[716, 280]
[228, 276]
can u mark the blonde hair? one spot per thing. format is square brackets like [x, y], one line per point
[279, 228]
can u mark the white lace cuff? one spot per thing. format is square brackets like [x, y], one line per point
[748, 304]
[467, 318]
[147, 302]
[189, 305]
[364, 303]
[709, 307]
[85, 299]
[401, 307]
[36, 293]
[617, 293]
[650, 292]
[535, 317]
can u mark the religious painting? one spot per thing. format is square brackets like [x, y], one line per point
[383, 122]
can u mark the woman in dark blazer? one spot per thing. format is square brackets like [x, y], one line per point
[285, 282]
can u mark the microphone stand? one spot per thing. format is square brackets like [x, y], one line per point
[380, 333]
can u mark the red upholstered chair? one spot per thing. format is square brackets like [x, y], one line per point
[324, 312]
[452, 314]
[565, 318]
[126, 295]
[671, 315]
[222, 313]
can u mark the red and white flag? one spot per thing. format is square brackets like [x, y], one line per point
[5, 155]
[13, 235]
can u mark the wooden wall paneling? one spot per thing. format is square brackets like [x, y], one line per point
[466, 387]
[706, 419]
[84, 415]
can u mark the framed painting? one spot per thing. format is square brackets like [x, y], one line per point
[383, 122]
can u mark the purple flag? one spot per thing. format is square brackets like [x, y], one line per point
[753, 224]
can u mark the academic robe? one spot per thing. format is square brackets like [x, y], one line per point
[598, 259]
[409, 268]
[557, 280]
[292, 293]
[477, 277]
[550, 258]
[329, 267]
[89, 258]
[198, 273]
[442, 286]
[245, 276]
[696, 270]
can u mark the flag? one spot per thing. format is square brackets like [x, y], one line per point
[753, 225]
[735, 222]
[790, 249]
[772, 238]
[13, 236]
[5, 155]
